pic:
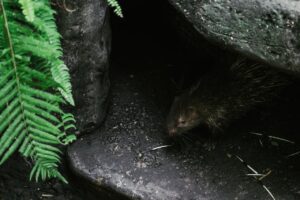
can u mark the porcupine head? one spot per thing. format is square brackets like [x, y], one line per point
[184, 115]
[195, 107]
[180, 122]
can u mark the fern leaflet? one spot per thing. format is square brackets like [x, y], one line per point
[116, 6]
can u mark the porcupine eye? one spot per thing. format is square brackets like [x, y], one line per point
[181, 122]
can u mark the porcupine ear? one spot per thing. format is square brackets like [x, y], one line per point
[194, 88]
[194, 113]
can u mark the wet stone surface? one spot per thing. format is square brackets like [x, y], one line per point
[119, 162]
[267, 30]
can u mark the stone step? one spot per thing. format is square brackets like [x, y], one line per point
[120, 160]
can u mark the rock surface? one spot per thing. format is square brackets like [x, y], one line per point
[120, 161]
[87, 42]
[267, 30]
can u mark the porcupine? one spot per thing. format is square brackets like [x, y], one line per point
[223, 95]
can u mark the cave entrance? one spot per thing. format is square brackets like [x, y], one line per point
[150, 49]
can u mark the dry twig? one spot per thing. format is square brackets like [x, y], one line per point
[160, 147]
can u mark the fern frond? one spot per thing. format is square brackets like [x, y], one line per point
[116, 6]
[43, 42]
[28, 9]
[34, 82]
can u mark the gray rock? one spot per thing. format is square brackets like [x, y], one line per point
[120, 161]
[267, 30]
[86, 43]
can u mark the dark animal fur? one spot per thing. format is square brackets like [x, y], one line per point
[224, 95]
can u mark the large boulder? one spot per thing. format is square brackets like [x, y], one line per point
[85, 29]
[267, 30]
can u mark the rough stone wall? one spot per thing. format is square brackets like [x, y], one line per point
[86, 42]
[267, 30]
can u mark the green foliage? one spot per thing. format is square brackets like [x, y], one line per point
[116, 6]
[28, 10]
[34, 82]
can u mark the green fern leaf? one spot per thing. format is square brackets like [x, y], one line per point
[28, 10]
[46, 47]
[34, 82]
[116, 6]
[13, 147]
